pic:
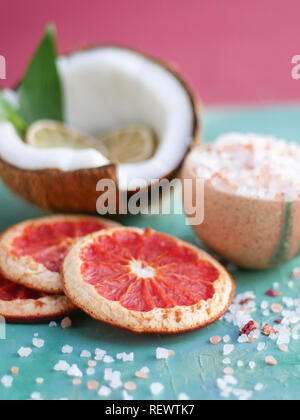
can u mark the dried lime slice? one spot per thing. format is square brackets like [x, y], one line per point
[131, 144]
[45, 134]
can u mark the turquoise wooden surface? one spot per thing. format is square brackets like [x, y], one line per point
[197, 364]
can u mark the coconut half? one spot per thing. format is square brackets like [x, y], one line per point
[106, 88]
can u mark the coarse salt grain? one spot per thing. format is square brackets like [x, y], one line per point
[67, 349]
[74, 371]
[126, 396]
[276, 308]
[7, 381]
[156, 388]
[226, 339]
[14, 370]
[162, 353]
[240, 363]
[76, 382]
[284, 348]
[183, 397]
[38, 343]
[90, 371]
[227, 361]
[104, 391]
[92, 385]
[99, 354]
[39, 381]
[228, 371]
[228, 349]
[252, 365]
[108, 359]
[251, 165]
[85, 354]
[24, 352]
[62, 366]
[130, 386]
[66, 323]
[141, 375]
[92, 363]
[125, 357]
[215, 340]
[271, 361]
[258, 387]
[261, 347]
[36, 396]
[52, 324]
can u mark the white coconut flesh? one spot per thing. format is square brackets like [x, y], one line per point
[106, 89]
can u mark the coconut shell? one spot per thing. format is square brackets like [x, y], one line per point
[75, 191]
[56, 190]
[251, 233]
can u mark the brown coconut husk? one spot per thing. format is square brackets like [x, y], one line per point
[75, 191]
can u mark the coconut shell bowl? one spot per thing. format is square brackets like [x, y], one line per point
[254, 227]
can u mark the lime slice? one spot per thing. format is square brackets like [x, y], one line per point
[130, 144]
[127, 145]
[46, 134]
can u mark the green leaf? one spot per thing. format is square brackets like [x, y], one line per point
[40, 94]
[9, 113]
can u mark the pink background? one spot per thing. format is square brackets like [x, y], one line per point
[230, 51]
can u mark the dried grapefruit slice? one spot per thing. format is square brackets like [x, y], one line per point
[31, 253]
[20, 304]
[146, 281]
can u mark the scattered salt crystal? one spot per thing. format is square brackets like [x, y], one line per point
[226, 339]
[85, 354]
[76, 382]
[92, 385]
[7, 381]
[126, 396]
[264, 305]
[276, 285]
[271, 361]
[145, 369]
[38, 343]
[215, 340]
[284, 348]
[67, 349]
[252, 365]
[126, 357]
[276, 308]
[108, 359]
[266, 313]
[39, 381]
[261, 347]
[14, 370]
[104, 391]
[258, 387]
[243, 339]
[162, 353]
[99, 354]
[227, 361]
[130, 386]
[74, 371]
[240, 363]
[53, 324]
[90, 371]
[228, 371]
[114, 377]
[291, 284]
[228, 349]
[35, 334]
[66, 323]
[36, 396]
[24, 352]
[61, 366]
[156, 388]
[183, 397]
[92, 363]
[296, 273]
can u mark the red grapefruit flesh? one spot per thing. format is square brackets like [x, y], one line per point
[146, 281]
[21, 304]
[31, 253]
